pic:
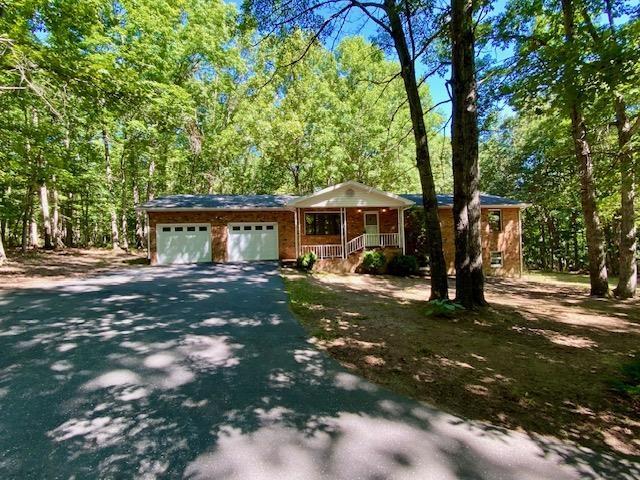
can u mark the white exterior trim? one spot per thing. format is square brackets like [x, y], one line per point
[317, 199]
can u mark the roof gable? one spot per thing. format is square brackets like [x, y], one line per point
[351, 194]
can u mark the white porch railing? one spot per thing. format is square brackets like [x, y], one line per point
[373, 240]
[323, 251]
[358, 243]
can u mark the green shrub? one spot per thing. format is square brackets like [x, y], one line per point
[442, 308]
[373, 261]
[305, 262]
[630, 383]
[403, 265]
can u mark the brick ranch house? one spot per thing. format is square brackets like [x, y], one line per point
[337, 223]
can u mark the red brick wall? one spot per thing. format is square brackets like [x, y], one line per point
[507, 241]
[219, 221]
[388, 218]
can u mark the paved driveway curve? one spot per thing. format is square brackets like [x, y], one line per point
[201, 372]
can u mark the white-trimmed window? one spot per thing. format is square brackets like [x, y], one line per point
[495, 220]
[496, 259]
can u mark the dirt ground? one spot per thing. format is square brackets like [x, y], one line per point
[41, 267]
[544, 357]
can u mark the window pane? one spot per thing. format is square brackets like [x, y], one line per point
[235, 229]
[495, 220]
[269, 227]
[370, 219]
[258, 227]
[322, 223]
[202, 229]
[191, 229]
[178, 229]
[166, 229]
[247, 227]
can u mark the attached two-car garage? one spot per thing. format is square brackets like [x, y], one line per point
[192, 243]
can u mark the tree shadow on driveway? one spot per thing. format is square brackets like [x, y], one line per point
[202, 372]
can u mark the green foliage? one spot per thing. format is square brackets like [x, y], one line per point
[305, 262]
[403, 265]
[373, 261]
[188, 102]
[630, 382]
[442, 308]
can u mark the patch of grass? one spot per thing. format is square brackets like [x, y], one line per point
[572, 278]
[533, 372]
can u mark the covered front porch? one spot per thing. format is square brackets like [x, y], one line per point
[348, 218]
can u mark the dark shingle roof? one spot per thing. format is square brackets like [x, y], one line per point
[218, 201]
[249, 202]
[447, 199]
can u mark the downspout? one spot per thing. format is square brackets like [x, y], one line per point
[343, 237]
[296, 232]
[148, 229]
[401, 228]
[520, 233]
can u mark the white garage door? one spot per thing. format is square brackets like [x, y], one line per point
[183, 243]
[252, 241]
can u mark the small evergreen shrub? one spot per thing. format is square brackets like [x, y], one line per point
[305, 262]
[403, 265]
[442, 308]
[373, 262]
[630, 384]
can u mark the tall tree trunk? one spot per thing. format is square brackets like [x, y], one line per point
[46, 215]
[124, 240]
[3, 255]
[628, 275]
[33, 230]
[439, 282]
[56, 229]
[595, 237]
[115, 240]
[139, 218]
[26, 218]
[464, 148]
[69, 221]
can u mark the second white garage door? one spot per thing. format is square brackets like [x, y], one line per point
[252, 241]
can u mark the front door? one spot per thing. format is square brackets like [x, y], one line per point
[371, 229]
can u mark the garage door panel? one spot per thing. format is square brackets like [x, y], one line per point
[252, 241]
[183, 243]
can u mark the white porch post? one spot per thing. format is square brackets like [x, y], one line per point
[401, 228]
[343, 231]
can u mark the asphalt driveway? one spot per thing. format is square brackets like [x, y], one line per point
[202, 372]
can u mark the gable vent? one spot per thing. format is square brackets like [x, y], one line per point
[349, 192]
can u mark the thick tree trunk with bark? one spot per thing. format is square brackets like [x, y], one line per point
[595, 236]
[26, 218]
[139, 218]
[69, 219]
[33, 230]
[3, 255]
[464, 147]
[628, 275]
[439, 283]
[115, 240]
[46, 216]
[56, 230]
